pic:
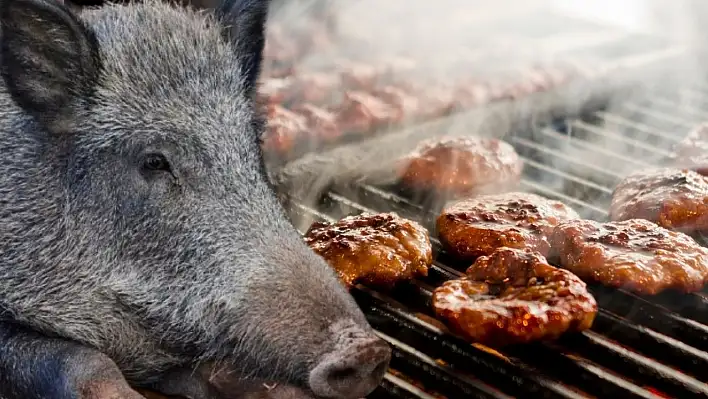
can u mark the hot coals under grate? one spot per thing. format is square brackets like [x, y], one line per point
[638, 346]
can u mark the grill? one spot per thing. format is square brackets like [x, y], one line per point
[638, 347]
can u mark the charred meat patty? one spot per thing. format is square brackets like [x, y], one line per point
[514, 296]
[634, 254]
[479, 225]
[462, 165]
[376, 249]
[673, 198]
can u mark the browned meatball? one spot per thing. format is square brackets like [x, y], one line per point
[634, 254]
[315, 87]
[471, 93]
[359, 76]
[514, 296]
[405, 105]
[275, 91]
[462, 166]
[435, 101]
[321, 123]
[478, 226]
[361, 112]
[672, 198]
[284, 129]
[377, 249]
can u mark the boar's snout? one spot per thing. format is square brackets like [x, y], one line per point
[354, 368]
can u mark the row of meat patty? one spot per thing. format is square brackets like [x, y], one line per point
[317, 104]
[530, 257]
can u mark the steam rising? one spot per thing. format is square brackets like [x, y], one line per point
[638, 62]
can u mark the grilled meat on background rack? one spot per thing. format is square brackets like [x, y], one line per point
[320, 121]
[692, 151]
[674, 199]
[479, 225]
[514, 296]
[376, 249]
[374, 97]
[360, 112]
[456, 166]
[695, 142]
[285, 128]
[636, 255]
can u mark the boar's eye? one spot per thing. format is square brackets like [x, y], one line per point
[156, 162]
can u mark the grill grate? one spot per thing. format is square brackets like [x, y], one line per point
[638, 347]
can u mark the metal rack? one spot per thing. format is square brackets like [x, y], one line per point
[643, 347]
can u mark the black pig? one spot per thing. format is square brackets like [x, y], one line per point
[138, 231]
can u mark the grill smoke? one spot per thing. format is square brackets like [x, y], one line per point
[624, 52]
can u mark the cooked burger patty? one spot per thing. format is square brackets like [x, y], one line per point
[514, 296]
[673, 198]
[462, 165]
[634, 254]
[478, 226]
[377, 249]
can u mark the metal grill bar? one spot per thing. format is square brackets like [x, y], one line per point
[667, 105]
[394, 387]
[529, 147]
[617, 139]
[564, 140]
[657, 115]
[434, 375]
[657, 346]
[637, 126]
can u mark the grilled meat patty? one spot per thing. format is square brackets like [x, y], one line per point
[514, 296]
[634, 254]
[673, 198]
[462, 165]
[376, 249]
[479, 225]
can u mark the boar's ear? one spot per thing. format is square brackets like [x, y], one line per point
[244, 22]
[49, 60]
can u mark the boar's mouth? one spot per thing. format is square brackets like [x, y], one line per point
[208, 381]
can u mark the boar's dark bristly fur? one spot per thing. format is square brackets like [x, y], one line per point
[135, 213]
